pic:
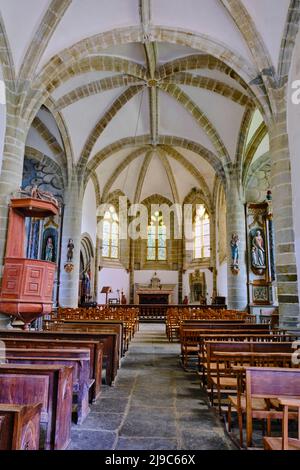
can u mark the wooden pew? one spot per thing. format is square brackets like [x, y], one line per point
[93, 325]
[284, 442]
[127, 314]
[78, 359]
[20, 427]
[235, 366]
[221, 325]
[108, 339]
[121, 328]
[219, 376]
[269, 383]
[190, 338]
[108, 334]
[95, 348]
[50, 385]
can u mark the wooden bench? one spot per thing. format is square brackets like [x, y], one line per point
[20, 427]
[109, 341]
[220, 356]
[50, 385]
[95, 348]
[236, 365]
[190, 338]
[284, 442]
[269, 383]
[108, 335]
[237, 337]
[92, 325]
[123, 328]
[78, 359]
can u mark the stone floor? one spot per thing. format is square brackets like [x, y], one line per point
[154, 404]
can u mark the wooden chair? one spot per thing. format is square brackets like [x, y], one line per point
[236, 363]
[284, 442]
[270, 383]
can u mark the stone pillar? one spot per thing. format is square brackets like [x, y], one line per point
[213, 252]
[180, 244]
[281, 186]
[10, 180]
[69, 282]
[97, 259]
[237, 282]
[131, 270]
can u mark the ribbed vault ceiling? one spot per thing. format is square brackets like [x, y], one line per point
[161, 110]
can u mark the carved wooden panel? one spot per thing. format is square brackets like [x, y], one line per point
[12, 278]
[20, 427]
[33, 280]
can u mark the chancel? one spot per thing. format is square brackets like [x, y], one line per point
[149, 225]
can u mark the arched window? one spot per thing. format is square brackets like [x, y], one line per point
[201, 233]
[157, 239]
[110, 237]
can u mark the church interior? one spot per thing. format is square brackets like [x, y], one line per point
[149, 231]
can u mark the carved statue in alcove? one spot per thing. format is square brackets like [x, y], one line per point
[198, 287]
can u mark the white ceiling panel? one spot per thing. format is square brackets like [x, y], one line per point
[132, 120]
[225, 115]
[156, 180]
[175, 120]
[89, 17]
[202, 16]
[201, 165]
[22, 19]
[269, 17]
[82, 116]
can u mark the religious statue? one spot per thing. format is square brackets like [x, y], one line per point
[70, 250]
[49, 250]
[234, 244]
[155, 281]
[123, 299]
[35, 193]
[258, 257]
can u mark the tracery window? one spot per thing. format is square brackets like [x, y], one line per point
[157, 239]
[110, 236]
[201, 233]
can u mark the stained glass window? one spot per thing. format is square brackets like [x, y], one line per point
[157, 239]
[110, 237]
[201, 233]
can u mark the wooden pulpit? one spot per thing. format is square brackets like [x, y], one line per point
[27, 284]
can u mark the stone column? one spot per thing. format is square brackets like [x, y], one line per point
[97, 259]
[213, 252]
[10, 180]
[131, 270]
[69, 281]
[281, 186]
[237, 282]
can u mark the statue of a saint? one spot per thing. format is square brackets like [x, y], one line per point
[49, 250]
[258, 251]
[70, 250]
[123, 299]
[234, 244]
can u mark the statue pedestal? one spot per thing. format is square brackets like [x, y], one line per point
[27, 284]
